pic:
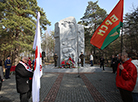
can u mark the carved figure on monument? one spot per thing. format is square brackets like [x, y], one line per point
[66, 39]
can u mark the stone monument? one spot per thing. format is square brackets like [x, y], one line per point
[69, 40]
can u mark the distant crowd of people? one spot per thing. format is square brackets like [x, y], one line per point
[23, 73]
[126, 71]
[123, 66]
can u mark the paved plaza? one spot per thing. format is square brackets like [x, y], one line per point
[91, 84]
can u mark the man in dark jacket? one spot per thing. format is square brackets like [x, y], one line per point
[55, 59]
[7, 67]
[102, 62]
[23, 85]
[81, 57]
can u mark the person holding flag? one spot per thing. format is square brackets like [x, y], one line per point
[126, 78]
[38, 63]
[23, 85]
[106, 33]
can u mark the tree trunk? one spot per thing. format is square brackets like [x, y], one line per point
[15, 57]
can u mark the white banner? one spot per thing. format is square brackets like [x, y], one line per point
[38, 63]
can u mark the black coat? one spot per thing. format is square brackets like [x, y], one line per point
[55, 57]
[81, 56]
[102, 61]
[113, 62]
[22, 79]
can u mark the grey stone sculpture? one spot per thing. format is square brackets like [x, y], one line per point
[69, 40]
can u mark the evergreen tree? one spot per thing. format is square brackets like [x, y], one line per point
[131, 31]
[93, 17]
[18, 24]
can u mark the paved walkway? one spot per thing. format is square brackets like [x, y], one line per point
[65, 85]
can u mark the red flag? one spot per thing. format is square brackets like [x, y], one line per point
[38, 63]
[109, 30]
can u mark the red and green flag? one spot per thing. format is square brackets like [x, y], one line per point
[109, 30]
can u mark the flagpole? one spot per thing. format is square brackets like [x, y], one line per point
[78, 53]
[122, 40]
[122, 27]
[121, 47]
[38, 63]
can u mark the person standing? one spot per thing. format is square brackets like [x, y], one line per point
[113, 63]
[1, 75]
[7, 67]
[23, 85]
[55, 59]
[81, 57]
[118, 60]
[102, 62]
[126, 78]
[91, 59]
[135, 91]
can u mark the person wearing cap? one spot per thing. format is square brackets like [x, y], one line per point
[7, 67]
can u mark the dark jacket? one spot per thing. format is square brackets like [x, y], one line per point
[22, 79]
[113, 62]
[81, 56]
[55, 57]
[102, 61]
[7, 63]
[0, 63]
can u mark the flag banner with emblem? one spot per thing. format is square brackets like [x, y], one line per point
[109, 30]
[38, 63]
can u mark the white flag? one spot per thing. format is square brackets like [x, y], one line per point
[38, 63]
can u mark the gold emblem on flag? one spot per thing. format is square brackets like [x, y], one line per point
[116, 33]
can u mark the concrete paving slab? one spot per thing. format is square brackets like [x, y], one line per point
[64, 85]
